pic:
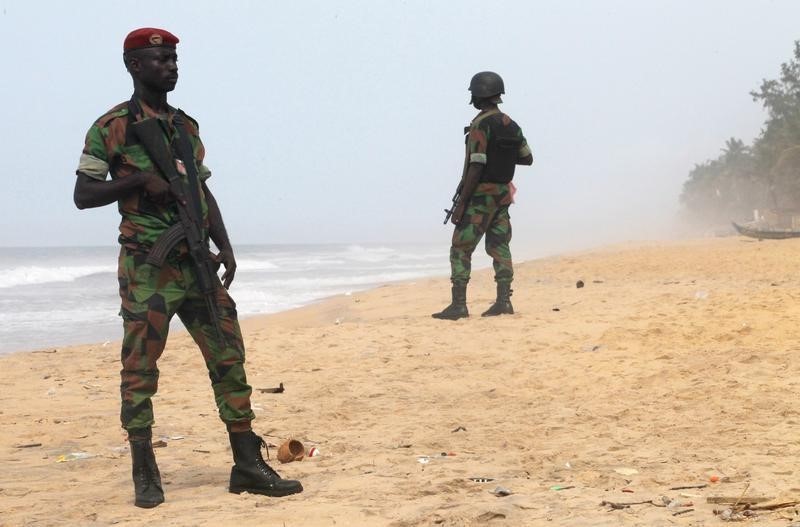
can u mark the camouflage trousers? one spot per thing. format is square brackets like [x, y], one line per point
[151, 296]
[486, 213]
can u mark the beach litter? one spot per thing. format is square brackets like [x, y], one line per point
[562, 487]
[624, 505]
[625, 471]
[291, 450]
[687, 487]
[73, 456]
[427, 459]
[729, 515]
[279, 389]
[501, 491]
[481, 480]
[658, 501]
[28, 445]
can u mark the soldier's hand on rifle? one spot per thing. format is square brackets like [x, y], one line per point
[155, 187]
[177, 193]
[455, 219]
[226, 258]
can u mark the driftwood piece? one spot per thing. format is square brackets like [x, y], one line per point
[625, 505]
[730, 500]
[774, 506]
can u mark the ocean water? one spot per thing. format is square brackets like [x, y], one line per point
[52, 297]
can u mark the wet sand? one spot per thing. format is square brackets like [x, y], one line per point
[673, 365]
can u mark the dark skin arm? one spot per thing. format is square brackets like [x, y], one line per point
[471, 180]
[90, 192]
[218, 234]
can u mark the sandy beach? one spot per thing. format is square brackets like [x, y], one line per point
[673, 366]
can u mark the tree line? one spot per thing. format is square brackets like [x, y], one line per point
[764, 175]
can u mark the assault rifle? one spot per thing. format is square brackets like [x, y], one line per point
[151, 136]
[457, 195]
[456, 199]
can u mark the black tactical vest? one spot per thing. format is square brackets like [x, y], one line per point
[502, 149]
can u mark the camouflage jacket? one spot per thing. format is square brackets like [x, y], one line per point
[108, 152]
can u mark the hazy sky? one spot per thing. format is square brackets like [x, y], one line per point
[331, 121]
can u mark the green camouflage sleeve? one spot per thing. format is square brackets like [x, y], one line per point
[524, 149]
[204, 172]
[94, 159]
[199, 154]
[199, 150]
[477, 141]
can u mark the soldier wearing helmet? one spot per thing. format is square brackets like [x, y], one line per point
[494, 146]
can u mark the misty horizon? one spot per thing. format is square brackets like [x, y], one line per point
[345, 126]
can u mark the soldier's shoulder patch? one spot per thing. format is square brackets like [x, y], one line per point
[120, 110]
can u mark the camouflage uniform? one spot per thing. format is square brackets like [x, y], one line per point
[150, 295]
[487, 210]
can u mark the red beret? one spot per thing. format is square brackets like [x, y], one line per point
[149, 37]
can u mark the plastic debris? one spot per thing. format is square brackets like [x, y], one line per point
[73, 456]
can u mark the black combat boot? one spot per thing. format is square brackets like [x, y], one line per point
[458, 306]
[501, 306]
[251, 473]
[146, 478]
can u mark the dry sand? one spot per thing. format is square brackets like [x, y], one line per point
[676, 362]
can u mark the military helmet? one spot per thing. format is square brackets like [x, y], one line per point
[486, 84]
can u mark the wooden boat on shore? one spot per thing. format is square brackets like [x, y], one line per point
[765, 233]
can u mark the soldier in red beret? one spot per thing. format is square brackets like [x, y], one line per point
[167, 211]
